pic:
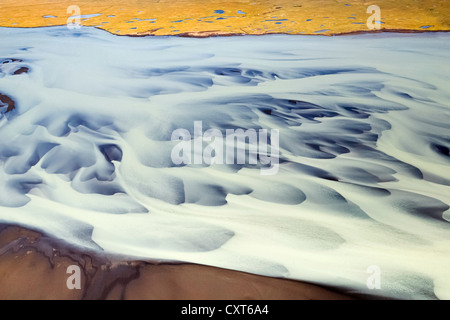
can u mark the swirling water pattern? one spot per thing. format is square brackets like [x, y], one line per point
[364, 175]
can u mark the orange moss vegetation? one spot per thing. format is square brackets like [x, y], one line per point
[205, 17]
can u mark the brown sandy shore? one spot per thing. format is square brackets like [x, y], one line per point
[34, 266]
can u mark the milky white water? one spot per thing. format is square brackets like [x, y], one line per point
[364, 129]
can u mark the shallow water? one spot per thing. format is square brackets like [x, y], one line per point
[364, 139]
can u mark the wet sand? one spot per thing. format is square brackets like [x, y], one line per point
[34, 266]
[6, 103]
[222, 17]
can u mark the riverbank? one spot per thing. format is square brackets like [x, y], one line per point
[34, 266]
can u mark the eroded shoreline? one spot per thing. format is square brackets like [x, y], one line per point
[34, 266]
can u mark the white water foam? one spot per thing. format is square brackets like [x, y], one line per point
[364, 148]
